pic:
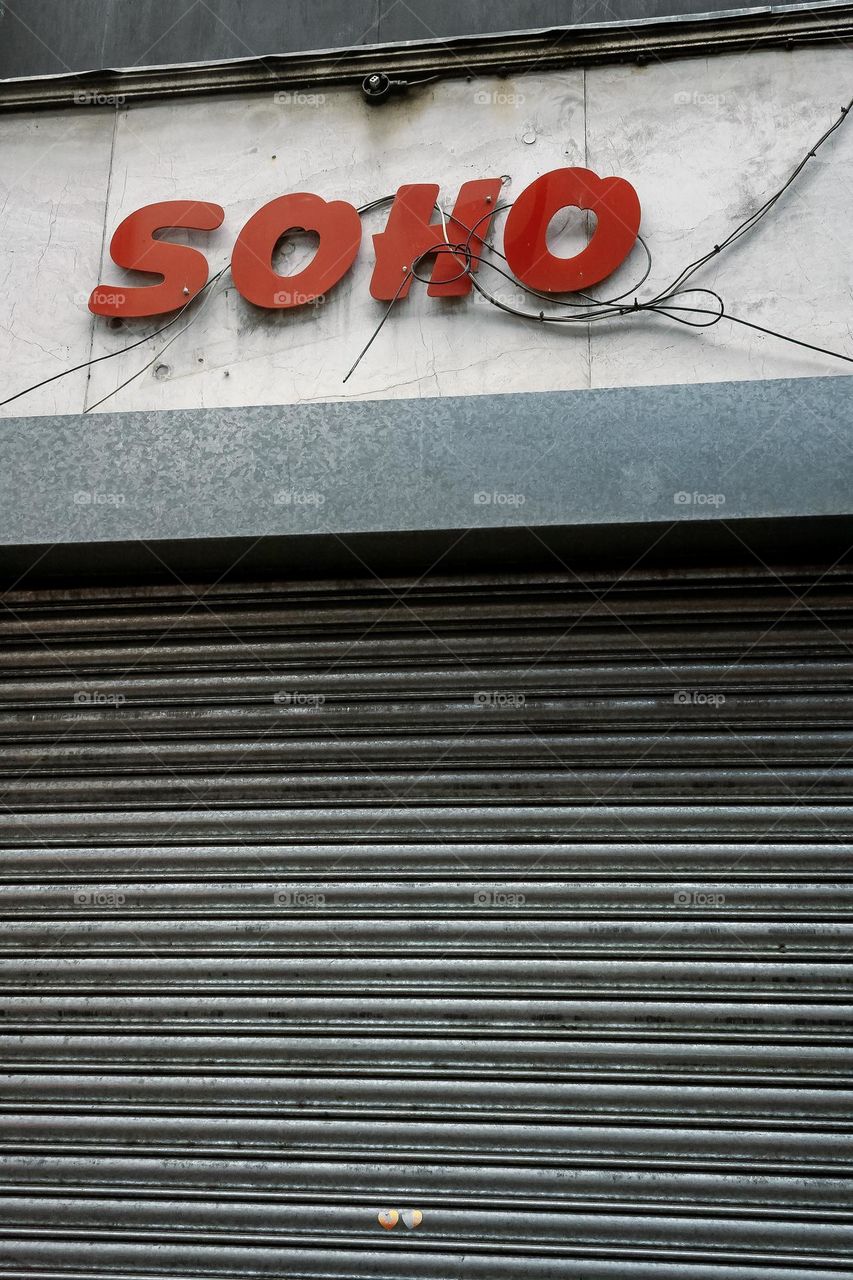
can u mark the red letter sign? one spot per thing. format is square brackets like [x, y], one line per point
[339, 228]
[133, 246]
[410, 233]
[616, 206]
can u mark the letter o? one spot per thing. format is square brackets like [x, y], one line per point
[616, 206]
[339, 227]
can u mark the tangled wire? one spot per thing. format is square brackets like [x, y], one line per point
[582, 308]
[586, 309]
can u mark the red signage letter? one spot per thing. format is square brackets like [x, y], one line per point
[616, 206]
[133, 246]
[339, 228]
[410, 233]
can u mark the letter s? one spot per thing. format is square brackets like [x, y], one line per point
[184, 270]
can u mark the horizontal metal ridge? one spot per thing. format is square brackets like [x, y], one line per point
[392, 822]
[589, 649]
[650, 1056]
[475, 1183]
[259, 1199]
[340, 1266]
[825, 994]
[771, 1166]
[583, 660]
[515, 977]
[361, 786]
[531, 746]
[255, 870]
[758, 1034]
[105, 1111]
[85, 1081]
[477, 937]
[322, 1263]
[234, 1072]
[437, 950]
[686, 595]
[576, 857]
[824, 1250]
[415, 1110]
[311, 1265]
[734, 1100]
[455, 891]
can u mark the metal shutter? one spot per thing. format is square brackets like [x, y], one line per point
[498, 913]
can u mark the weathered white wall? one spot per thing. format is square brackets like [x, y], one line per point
[54, 176]
[703, 141]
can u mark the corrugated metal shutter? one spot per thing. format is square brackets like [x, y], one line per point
[498, 913]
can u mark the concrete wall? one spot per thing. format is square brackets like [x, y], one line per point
[703, 141]
[41, 37]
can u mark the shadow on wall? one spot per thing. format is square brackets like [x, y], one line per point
[50, 37]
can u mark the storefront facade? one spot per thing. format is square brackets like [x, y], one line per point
[426, 808]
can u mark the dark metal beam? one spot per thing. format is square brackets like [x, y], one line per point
[557, 47]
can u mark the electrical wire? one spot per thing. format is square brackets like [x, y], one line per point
[587, 311]
[749, 324]
[666, 303]
[754, 218]
[111, 355]
[379, 327]
[157, 355]
[87, 364]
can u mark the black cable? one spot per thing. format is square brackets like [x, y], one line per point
[664, 303]
[111, 355]
[754, 218]
[87, 364]
[157, 354]
[589, 311]
[378, 329]
[760, 328]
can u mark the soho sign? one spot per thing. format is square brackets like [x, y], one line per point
[409, 235]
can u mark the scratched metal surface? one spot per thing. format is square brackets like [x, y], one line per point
[43, 37]
[569, 972]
